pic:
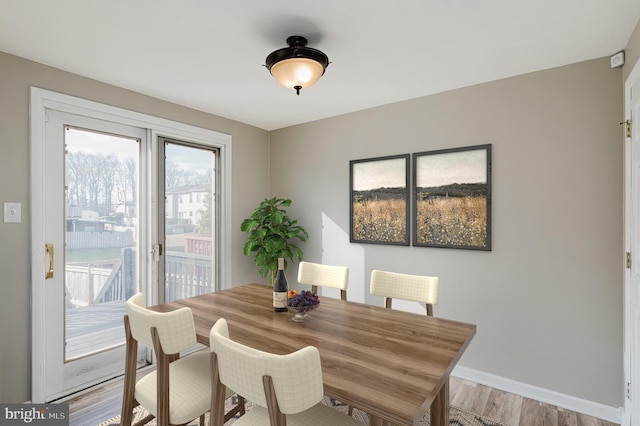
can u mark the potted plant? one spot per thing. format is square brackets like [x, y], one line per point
[271, 233]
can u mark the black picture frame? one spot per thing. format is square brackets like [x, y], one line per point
[452, 198]
[379, 200]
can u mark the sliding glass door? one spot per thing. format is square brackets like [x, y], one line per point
[117, 207]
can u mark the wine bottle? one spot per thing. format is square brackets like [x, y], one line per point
[280, 289]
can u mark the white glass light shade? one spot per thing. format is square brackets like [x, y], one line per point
[295, 72]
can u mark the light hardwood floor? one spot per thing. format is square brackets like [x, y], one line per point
[514, 410]
[104, 402]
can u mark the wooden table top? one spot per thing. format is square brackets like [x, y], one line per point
[389, 363]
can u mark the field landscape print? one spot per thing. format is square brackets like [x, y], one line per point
[453, 198]
[380, 200]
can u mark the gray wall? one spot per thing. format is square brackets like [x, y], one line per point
[250, 185]
[547, 299]
[632, 52]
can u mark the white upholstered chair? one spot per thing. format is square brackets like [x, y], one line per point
[392, 285]
[319, 275]
[286, 390]
[179, 391]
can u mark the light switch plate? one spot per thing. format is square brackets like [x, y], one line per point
[12, 212]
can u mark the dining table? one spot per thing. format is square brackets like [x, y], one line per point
[392, 364]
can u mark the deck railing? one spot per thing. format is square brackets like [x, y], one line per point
[83, 283]
[186, 275]
[121, 284]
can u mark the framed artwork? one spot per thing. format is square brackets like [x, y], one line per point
[379, 200]
[452, 198]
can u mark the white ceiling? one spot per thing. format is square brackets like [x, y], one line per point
[209, 54]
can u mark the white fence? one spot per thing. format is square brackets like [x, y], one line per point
[112, 239]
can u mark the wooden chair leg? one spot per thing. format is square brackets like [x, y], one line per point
[162, 379]
[343, 294]
[350, 411]
[126, 415]
[239, 408]
[128, 400]
[218, 391]
[275, 415]
[145, 420]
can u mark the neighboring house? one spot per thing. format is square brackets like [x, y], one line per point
[186, 204]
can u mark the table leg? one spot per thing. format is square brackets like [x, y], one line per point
[377, 421]
[439, 410]
[440, 406]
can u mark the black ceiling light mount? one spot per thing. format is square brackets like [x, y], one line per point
[297, 67]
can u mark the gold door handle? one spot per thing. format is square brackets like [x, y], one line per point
[49, 250]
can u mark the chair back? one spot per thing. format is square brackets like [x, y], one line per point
[319, 275]
[176, 329]
[417, 288]
[296, 377]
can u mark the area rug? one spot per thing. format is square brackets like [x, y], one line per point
[457, 417]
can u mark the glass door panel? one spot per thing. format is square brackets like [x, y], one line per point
[101, 210]
[190, 220]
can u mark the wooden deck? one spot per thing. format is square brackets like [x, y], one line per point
[94, 327]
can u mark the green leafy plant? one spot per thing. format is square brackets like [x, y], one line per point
[271, 233]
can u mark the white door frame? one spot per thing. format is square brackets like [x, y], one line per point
[631, 373]
[40, 100]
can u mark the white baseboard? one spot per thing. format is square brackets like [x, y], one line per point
[590, 408]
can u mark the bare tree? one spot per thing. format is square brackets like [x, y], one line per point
[80, 178]
[174, 175]
[126, 184]
[106, 166]
[92, 180]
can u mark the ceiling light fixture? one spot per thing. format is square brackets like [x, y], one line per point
[297, 67]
